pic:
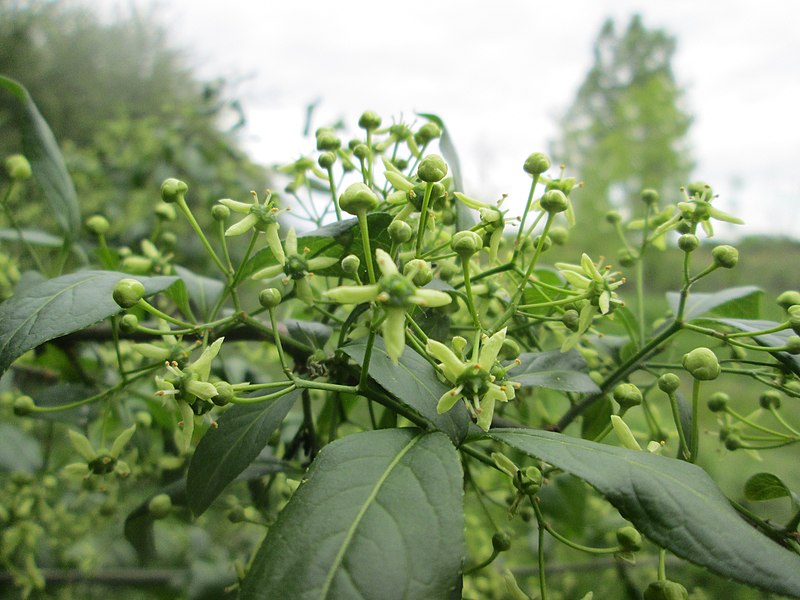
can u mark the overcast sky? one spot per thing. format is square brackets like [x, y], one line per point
[501, 77]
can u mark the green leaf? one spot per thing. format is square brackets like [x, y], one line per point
[675, 504]
[765, 486]
[555, 370]
[223, 453]
[596, 417]
[203, 292]
[60, 306]
[535, 295]
[311, 333]
[379, 515]
[414, 383]
[19, 451]
[32, 236]
[739, 302]
[41, 150]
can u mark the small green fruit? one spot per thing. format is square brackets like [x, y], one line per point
[400, 231]
[18, 167]
[788, 298]
[358, 197]
[127, 292]
[128, 323]
[429, 131]
[173, 190]
[770, 399]
[725, 256]
[718, 402]
[326, 160]
[350, 264]
[432, 168]
[327, 140]
[220, 212]
[159, 506]
[702, 364]
[24, 405]
[650, 197]
[536, 164]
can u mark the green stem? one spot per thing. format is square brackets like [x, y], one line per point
[332, 184]
[95, 397]
[540, 518]
[268, 397]
[540, 551]
[15, 225]
[676, 417]
[423, 219]
[517, 240]
[364, 228]
[181, 202]
[146, 306]
[662, 564]
[695, 421]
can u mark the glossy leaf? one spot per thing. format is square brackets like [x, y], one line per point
[739, 302]
[414, 383]
[311, 333]
[60, 306]
[773, 340]
[765, 486]
[675, 504]
[203, 292]
[32, 236]
[227, 450]
[555, 370]
[379, 515]
[40, 148]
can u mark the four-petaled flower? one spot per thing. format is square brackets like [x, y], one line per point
[397, 293]
[262, 217]
[481, 383]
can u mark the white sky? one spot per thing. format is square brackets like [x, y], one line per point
[500, 77]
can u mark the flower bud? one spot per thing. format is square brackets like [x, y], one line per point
[369, 120]
[421, 269]
[627, 395]
[269, 298]
[429, 131]
[23, 405]
[733, 442]
[326, 160]
[702, 364]
[718, 402]
[725, 256]
[770, 399]
[669, 383]
[159, 506]
[165, 212]
[97, 224]
[665, 590]
[18, 167]
[432, 168]
[626, 258]
[400, 231]
[327, 140]
[358, 197]
[128, 323]
[127, 292]
[788, 298]
[554, 201]
[509, 350]
[558, 235]
[629, 539]
[546, 242]
[570, 319]
[688, 242]
[793, 345]
[501, 541]
[650, 197]
[466, 243]
[361, 151]
[225, 393]
[350, 264]
[536, 164]
[220, 212]
[173, 190]
[613, 217]
[700, 189]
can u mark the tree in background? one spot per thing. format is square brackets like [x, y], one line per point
[627, 129]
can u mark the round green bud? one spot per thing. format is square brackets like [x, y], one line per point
[665, 590]
[236, 514]
[429, 131]
[700, 189]
[794, 317]
[688, 242]
[144, 419]
[733, 442]
[570, 319]
[350, 264]
[24, 405]
[18, 167]
[432, 168]
[626, 258]
[669, 383]
[423, 274]
[326, 160]
[546, 242]
[165, 212]
[788, 298]
[501, 541]
[718, 402]
[466, 243]
[361, 152]
[220, 212]
[650, 197]
[269, 297]
[536, 164]
[173, 189]
[127, 292]
[684, 226]
[770, 399]
[168, 240]
[627, 395]
[128, 323]
[328, 140]
[559, 235]
[358, 197]
[530, 481]
[509, 350]
[554, 201]
[613, 217]
[629, 539]
[225, 393]
[369, 120]
[793, 345]
[400, 231]
[725, 256]
[159, 506]
[702, 364]
[97, 224]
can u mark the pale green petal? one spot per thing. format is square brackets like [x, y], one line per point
[187, 416]
[489, 349]
[291, 242]
[708, 228]
[152, 351]
[448, 400]
[121, 441]
[587, 314]
[202, 366]
[452, 367]
[486, 412]
[353, 294]
[577, 281]
[202, 389]
[385, 263]
[430, 298]
[76, 470]
[242, 226]
[82, 445]
[240, 207]
[471, 202]
[302, 290]
[268, 272]
[321, 262]
[624, 433]
[603, 301]
[590, 269]
[275, 242]
[398, 181]
[394, 332]
[723, 216]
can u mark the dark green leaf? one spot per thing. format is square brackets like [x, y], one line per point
[60, 394]
[60, 306]
[596, 418]
[555, 370]
[414, 383]
[41, 149]
[675, 504]
[739, 302]
[535, 295]
[768, 340]
[32, 236]
[765, 486]
[203, 292]
[311, 333]
[241, 434]
[18, 450]
[379, 515]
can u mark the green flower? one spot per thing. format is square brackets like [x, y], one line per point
[481, 384]
[262, 217]
[296, 267]
[102, 461]
[492, 218]
[397, 293]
